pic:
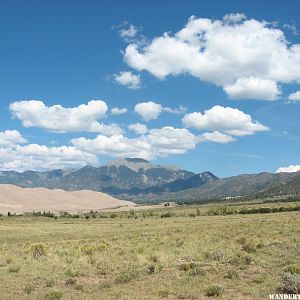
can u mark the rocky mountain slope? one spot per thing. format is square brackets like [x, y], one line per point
[138, 180]
[246, 185]
[119, 175]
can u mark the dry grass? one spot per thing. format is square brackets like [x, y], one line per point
[144, 256]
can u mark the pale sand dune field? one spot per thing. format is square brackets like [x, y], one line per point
[15, 199]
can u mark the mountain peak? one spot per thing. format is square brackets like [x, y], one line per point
[136, 160]
[133, 163]
[136, 164]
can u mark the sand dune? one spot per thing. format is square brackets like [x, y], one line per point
[17, 200]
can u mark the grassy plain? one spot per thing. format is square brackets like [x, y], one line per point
[181, 252]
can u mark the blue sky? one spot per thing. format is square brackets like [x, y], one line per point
[202, 100]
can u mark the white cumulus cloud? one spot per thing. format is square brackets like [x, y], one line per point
[253, 88]
[289, 169]
[148, 110]
[248, 58]
[157, 143]
[223, 119]
[234, 17]
[34, 113]
[127, 78]
[11, 138]
[138, 128]
[16, 156]
[151, 110]
[217, 137]
[294, 97]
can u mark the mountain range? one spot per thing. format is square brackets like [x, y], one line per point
[141, 181]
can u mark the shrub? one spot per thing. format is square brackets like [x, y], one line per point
[260, 279]
[78, 287]
[293, 269]
[70, 281]
[290, 283]
[126, 277]
[187, 266]
[38, 250]
[249, 247]
[166, 215]
[213, 290]
[231, 274]
[216, 255]
[28, 289]
[91, 249]
[242, 240]
[48, 214]
[151, 269]
[197, 271]
[154, 258]
[14, 269]
[241, 260]
[71, 273]
[8, 260]
[54, 295]
[163, 293]
[49, 282]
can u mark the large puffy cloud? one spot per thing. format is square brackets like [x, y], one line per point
[223, 119]
[253, 88]
[40, 157]
[11, 138]
[289, 169]
[128, 79]
[157, 143]
[110, 129]
[169, 140]
[57, 118]
[16, 156]
[247, 57]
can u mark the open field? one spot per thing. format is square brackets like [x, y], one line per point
[183, 252]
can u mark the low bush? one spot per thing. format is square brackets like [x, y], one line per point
[126, 277]
[70, 281]
[54, 295]
[293, 269]
[166, 215]
[213, 290]
[163, 293]
[290, 283]
[38, 250]
[14, 269]
[231, 274]
[28, 289]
